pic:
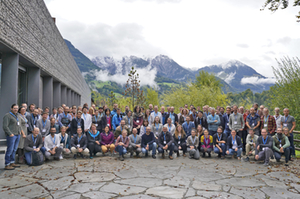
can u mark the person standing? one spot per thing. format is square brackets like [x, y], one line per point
[226, 117]
[44, 125]
[200, 120]
[268, 122]
[129, 120]
[277, 117]
[188, 126]
[289, 121]
[253, 121]
[96, 119]
[155, 114]
[24, 124]
[213, 121]
[76, 123]
[116, 120]
[237, 122]
[173, 116]
[87, 118]
[12, 129]
[106, 120]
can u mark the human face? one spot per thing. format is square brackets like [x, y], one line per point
[52, 121]
[162, 109]
[150, 106]
[277, 111]
[228, 111]
[138, 109]
[155, 109]
[188, 119]
[63, 130]
[45, 116]
[165, 129]
[52, 131]
[286, 132]
[118, 112]
[157, 119]
[148, 130]
[107, 112]
[233, 133]
[15, 109]
[235, 109]
[124, 134]
[115, 106]
[179, 129]
[279, 130]
[134, 131]
[96, 113]
[25, 106]
[172, 109]
[266, 112]
[66, 109]
[252, 111]
[78, 115]
[212, 112]
[219, 131]
[199, 128]
[93, 128]
[79, 131]
[200, 114]
[286, 112]
[23, 111]
[31, 108]
[122, 123]
[251, 132]
[129, 114]
[35, 112]
[206, 133]
[193, 133]
[36, 132]
[106, 129]
[264, 133]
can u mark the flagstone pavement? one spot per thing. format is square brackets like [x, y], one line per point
[147, 178]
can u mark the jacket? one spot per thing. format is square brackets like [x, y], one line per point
[116, 120]
[44, 128]
[87, 119]
[49, 144]
[129, 125]
[161, 138]
[222, 138]
[82, 142]
[188, 127]
[153, 115]
[64, 120]
[66, 141]
[10, 124]
[147, 139]
[29, 143]
[189, 141]
[156, 130]
[269, 144]
[137, 120]
[201, 121]
[205, 144]
[168, 115]
[176, 140]
[103, 123]
[236, 122]
[238, 141]
[107, 139]
[91, 138]
[74, 125]
[121, 139]
[285, 143]
[118, 131]
[131, 140]
[213, 126]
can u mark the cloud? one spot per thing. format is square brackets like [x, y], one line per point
[146, 76]
[100, 39]
[284, 40]
[243, 45]
[257, 80]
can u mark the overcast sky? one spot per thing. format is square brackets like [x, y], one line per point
[194, 33]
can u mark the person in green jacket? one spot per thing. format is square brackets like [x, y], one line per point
[281, 146]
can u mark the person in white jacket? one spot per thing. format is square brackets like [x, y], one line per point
[154, 114]
[52, 145]
[87, 118]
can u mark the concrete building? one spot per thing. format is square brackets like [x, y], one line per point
[36, 64]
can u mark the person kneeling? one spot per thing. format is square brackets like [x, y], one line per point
[206, 143]
[220, 142]
[135, 143]
[234, 145]
[192, 144]
[94, 139]
[122, 144]
[52, 145]
[148, 143]
[281, 146]
[79, 144]
[107, 140]
[33, 148]
[165, 142]
[264, 147]
[64, 141]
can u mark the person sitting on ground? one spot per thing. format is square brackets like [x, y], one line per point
[107, 140]
[192, 144]
[34, 144]
[149, 143]
[264, 145]
[120, 128]
[206, 144]
[281, 146]
[166, 142]
[220, 142]
[64, 141]
[79, 144]
[156, 127]
[286, 132]
[52, 145]
[135, 143]
[122, 144]
[250, 143]
[234, 145]
[94, 140]
[179, 140]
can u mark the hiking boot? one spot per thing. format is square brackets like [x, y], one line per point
[75, 156]
[171, 157]
[266, 164]
[154, 156]
[246, 159]
[15, 165]
[184, 155]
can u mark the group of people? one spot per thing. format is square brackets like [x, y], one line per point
[35, 134]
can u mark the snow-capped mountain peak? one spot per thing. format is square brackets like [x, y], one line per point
[232, 63]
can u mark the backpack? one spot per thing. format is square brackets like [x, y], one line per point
[37, 158]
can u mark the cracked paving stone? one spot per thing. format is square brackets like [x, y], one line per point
[190, 192]
[137, 197]
[59, 184]
[178, 181]
[122, 189]
[10, 194]
[97, 195]
[167, 192]
[296, 186]
[32, 191]
[279, 193]
[126, 173]
[51, 174]
[204, 186]
[94, 177]
[16, 181]
[223, 195]
[85, 187]
[284, 176]
[196, 197]
[241, 182]
[247, 192]
[142, 182]
[274, 182]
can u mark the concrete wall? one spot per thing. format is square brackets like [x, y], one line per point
[28, 28]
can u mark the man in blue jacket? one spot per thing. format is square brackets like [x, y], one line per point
[188, 126]
[234, 145]
[116, 120]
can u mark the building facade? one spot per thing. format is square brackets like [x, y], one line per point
[36, 64]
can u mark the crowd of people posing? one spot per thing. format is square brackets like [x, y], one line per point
[35, 134]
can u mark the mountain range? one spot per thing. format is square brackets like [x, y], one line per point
[105, 73]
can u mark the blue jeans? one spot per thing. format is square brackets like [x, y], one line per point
[121, 150]
[287, 154]
[12, 146]
[223, 147]
[151, 147]
[227, 132]
[28, 155]
[212, 132]
[292, 145]
[238, 152]
[170, 148]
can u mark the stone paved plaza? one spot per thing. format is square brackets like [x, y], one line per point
[107, 177]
